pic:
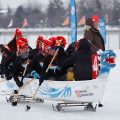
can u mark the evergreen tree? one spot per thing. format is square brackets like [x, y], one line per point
[55, 13]
[19, 16]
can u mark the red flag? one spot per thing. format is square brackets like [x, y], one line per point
[25, 23]
[65, 22]
[82, 21]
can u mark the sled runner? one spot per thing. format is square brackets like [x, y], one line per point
[87, 106]
[22, 99]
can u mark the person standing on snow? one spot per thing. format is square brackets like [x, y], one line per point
[93, 35]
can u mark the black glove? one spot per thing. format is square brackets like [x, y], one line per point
[2, 76]
[8, 77]
[19, 83]
[41, 79]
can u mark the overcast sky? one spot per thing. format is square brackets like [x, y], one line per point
[16, 3]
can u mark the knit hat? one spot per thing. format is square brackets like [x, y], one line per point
[21, 43]
[18, 33]
[60, 41]
[95, 18]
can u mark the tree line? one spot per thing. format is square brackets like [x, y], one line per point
[56, 13]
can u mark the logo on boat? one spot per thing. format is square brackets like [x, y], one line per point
[10, 84]
[83, 93]
[55, 92]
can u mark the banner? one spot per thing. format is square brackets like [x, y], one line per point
[82, 21]
[73, 22]
[25, 23]
[102, 27]
[10, 23]
[66, 22]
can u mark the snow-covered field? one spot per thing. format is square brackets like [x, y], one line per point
[43, 111]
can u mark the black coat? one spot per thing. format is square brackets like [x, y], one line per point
[94, 36]
[81, 60]
[82, 63]
[58, 59]
[35, 63]
[7, 62]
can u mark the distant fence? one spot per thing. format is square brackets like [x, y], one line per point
[113, 36]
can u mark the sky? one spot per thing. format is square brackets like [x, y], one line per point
[16, 3]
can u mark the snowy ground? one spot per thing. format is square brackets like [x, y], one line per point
[43, 111]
